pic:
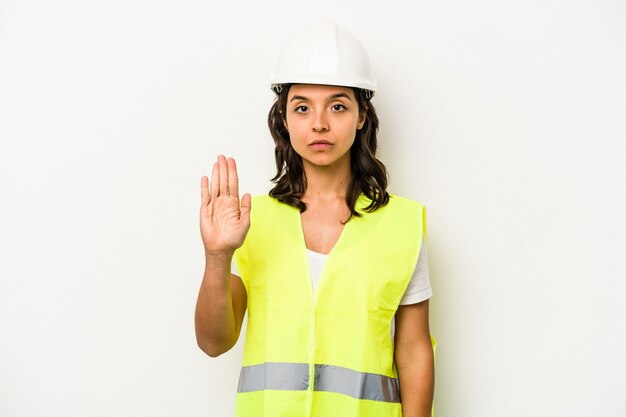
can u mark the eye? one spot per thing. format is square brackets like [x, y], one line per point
[301, 109]
[339, 107]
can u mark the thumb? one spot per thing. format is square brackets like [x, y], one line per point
[246, 206]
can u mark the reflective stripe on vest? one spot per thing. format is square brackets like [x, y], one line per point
[274, 375]
[295, 377]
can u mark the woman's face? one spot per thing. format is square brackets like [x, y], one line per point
[322, 121]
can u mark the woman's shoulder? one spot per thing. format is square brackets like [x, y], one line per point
[262, 199]
[396, 205]
[266, 202]
[404, 202]
[409, 209]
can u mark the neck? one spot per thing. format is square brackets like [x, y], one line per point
[325, 182]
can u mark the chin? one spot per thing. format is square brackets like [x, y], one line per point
[325, 160]
[321, 162]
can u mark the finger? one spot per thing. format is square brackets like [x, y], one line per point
[204, 190]
[233, 179]
[223, 180]
[246, 206]
[215, 181]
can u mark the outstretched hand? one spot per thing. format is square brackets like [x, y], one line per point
[224, 220]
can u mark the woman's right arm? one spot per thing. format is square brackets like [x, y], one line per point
[224, 223]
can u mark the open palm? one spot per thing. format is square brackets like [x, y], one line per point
[224, 220]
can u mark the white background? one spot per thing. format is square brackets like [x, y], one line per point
[507, 119]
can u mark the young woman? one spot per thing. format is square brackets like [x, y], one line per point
[331, 268]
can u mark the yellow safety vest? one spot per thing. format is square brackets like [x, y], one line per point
[328, 352]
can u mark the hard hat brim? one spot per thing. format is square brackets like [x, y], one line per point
[365, 85]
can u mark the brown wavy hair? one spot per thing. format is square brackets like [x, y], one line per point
[369, 175]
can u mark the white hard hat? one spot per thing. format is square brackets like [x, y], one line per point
[324, 54]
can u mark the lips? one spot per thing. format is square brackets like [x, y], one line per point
[320, 145]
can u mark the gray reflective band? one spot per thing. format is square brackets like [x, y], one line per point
[274, 375]
[329, 378]
[361, 385]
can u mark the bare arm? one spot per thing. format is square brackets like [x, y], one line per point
[224, 223]
[414, 360]
[220, 308]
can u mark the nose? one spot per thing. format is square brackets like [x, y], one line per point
[320, 122]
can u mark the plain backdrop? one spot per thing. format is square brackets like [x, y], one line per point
[507, 119]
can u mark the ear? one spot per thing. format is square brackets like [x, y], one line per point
[361, 120]
[282, 116]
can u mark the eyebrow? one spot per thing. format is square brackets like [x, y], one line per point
[334, 96]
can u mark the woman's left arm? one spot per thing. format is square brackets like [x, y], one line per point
[414, 360]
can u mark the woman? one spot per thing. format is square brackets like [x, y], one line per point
[327, 262]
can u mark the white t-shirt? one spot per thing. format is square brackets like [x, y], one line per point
[419, 288]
